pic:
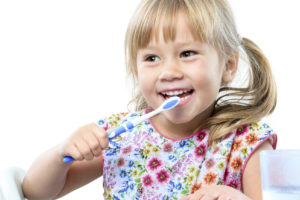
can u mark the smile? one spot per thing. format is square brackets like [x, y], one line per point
[182, 94]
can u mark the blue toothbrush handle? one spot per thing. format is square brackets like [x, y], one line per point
[68, 159]
[121, 129]
[115, 132]
[111, 134]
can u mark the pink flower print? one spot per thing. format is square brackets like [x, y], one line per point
[127, 149]
[147, 180]
[168, 147]
[120, 162]
[200, 150]
[242, 130]
[177, 167]
[201, 136]
[162, 176]
[209, 163]
[154, 163]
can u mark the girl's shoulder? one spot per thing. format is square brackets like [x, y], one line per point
[248, 137]
[241, 143]
[254, 134]
[245, 139]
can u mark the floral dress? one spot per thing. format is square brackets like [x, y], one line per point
[144, 164]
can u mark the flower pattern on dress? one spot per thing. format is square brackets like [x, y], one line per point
[154, 163]
[142, 164]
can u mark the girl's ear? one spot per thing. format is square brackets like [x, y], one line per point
[230, 68]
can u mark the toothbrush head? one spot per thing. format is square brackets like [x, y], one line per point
[170, 103]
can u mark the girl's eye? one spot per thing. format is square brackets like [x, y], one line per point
[187, 54]
[152, 58]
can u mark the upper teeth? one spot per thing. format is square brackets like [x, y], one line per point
[177, 92]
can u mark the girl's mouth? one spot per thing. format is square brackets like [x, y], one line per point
[182, 94]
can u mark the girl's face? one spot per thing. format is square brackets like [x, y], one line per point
[184, 67]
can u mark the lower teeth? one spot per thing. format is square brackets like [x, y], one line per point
[183, 98]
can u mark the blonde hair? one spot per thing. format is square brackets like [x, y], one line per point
[210, 21]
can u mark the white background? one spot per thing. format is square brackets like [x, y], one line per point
[62, 66]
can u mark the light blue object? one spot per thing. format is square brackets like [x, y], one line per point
[11, 183]
[166, 105]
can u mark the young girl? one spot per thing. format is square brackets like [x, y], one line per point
[205, 148]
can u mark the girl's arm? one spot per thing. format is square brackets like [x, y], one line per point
[50, 178]
[80, 174]
[252, 178]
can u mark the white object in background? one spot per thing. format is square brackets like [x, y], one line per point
[280, 175]
[11, 184]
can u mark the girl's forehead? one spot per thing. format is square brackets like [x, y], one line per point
[178, 29]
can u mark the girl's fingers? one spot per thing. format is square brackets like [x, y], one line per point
[84, 149]
[101, 135]
[86, 143]
[104, 140]
[94, 144]
[75, 153]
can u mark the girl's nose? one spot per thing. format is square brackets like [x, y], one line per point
[171, 71]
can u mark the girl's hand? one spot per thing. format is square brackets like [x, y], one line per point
[216, 192]
[85, 144]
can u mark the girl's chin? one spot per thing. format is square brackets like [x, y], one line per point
[178, 117]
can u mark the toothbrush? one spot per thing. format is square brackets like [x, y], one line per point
[166, 105]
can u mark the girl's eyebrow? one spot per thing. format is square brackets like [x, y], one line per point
[190, 44]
